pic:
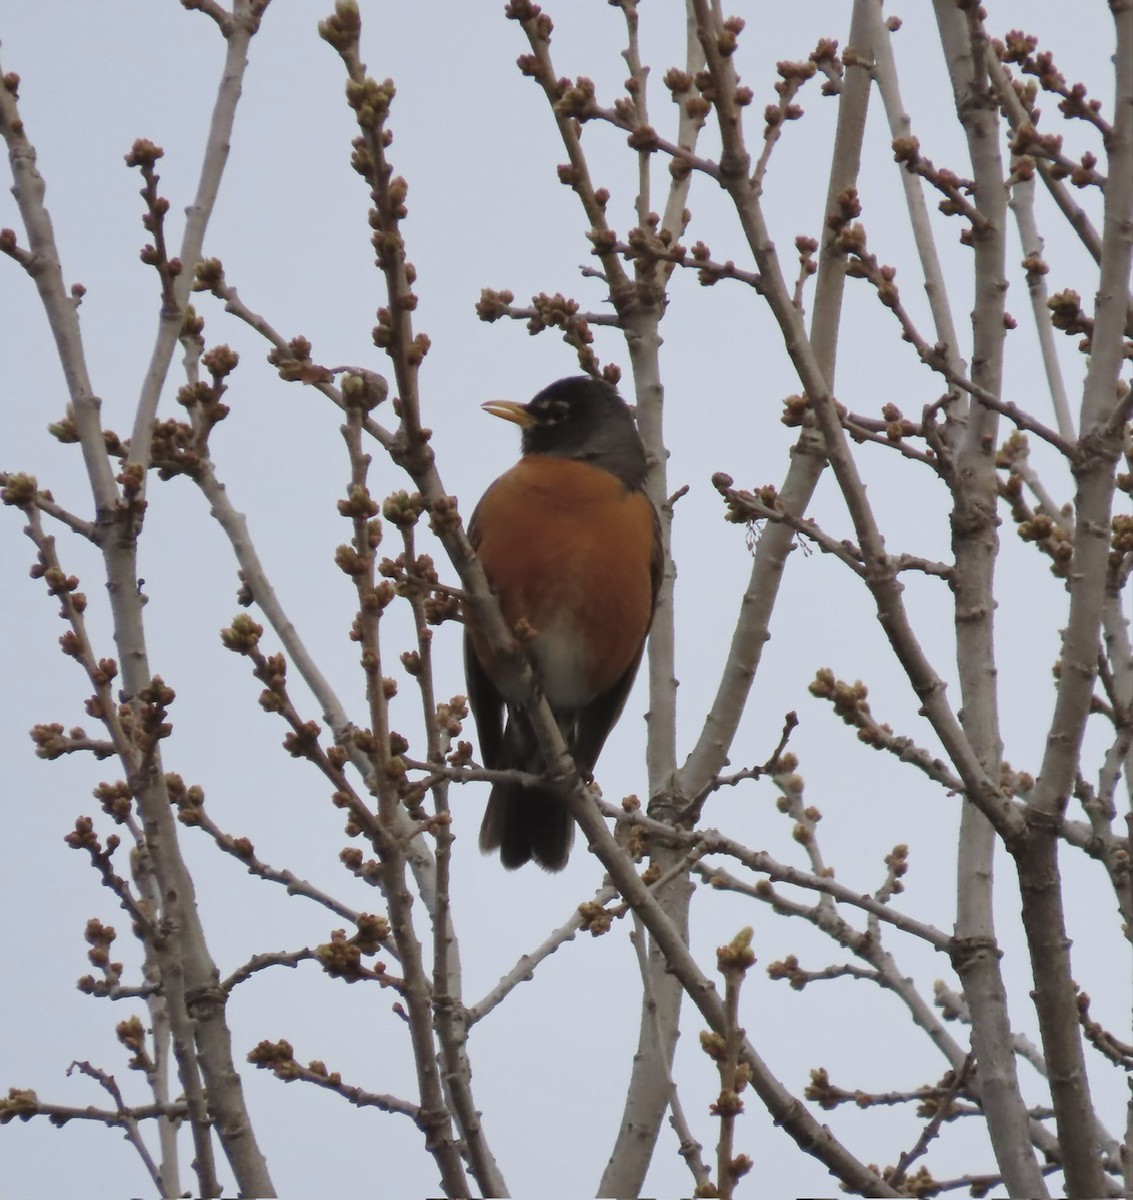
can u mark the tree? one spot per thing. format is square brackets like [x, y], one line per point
[1007, 1073]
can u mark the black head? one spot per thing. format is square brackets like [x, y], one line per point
[580, 418]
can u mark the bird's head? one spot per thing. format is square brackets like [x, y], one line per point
[579, 418]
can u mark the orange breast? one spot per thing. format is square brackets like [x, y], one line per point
[569, 549]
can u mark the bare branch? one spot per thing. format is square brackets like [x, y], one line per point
[524, 969]
[237, 28]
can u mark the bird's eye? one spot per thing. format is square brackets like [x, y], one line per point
[558, 412]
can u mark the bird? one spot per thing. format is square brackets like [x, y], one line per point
[571, 545]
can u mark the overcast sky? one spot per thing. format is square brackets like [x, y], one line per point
[476, 142]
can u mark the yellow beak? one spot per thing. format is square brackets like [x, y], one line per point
[510, 410]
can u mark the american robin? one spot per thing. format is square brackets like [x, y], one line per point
[572, 546]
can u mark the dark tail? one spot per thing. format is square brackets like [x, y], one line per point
[526, 823]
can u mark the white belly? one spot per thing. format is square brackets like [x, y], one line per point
[562, 669]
